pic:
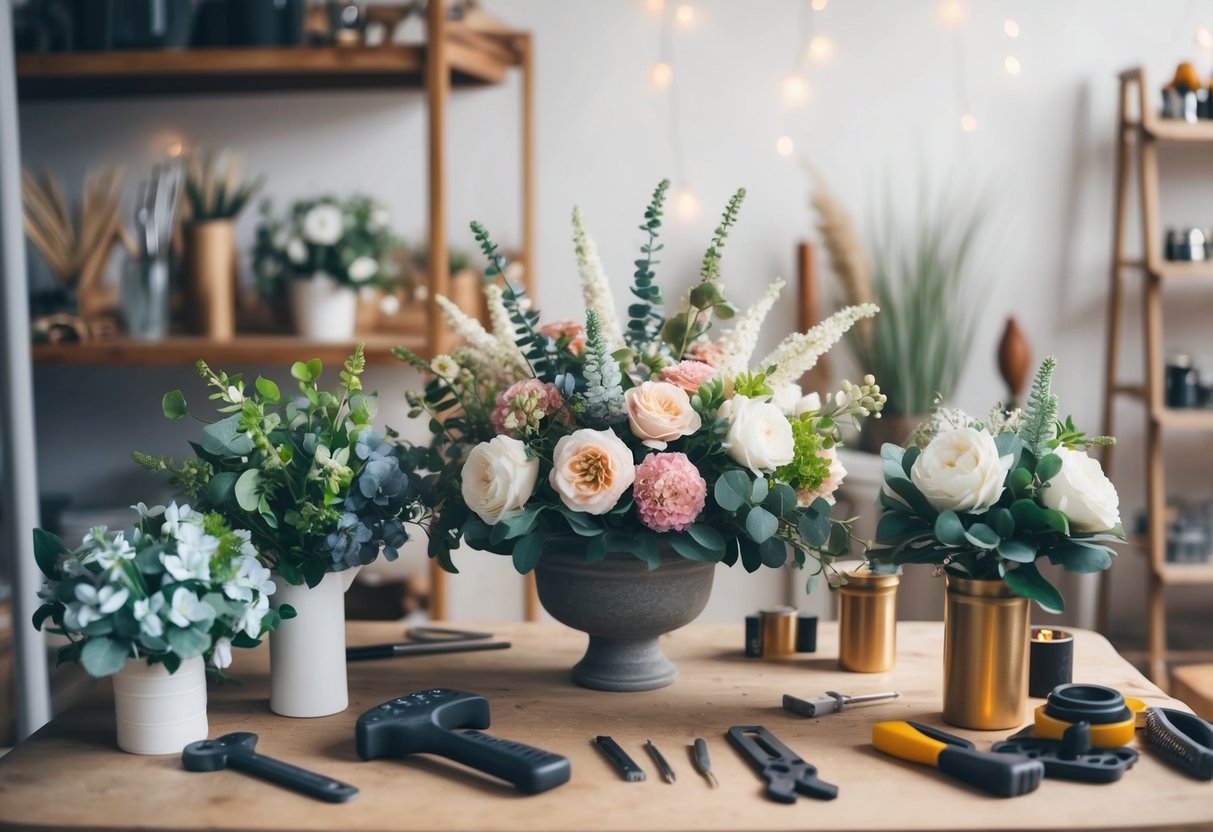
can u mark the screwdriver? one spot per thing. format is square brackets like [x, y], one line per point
[667, 772]
[703, 762]
[831, 702]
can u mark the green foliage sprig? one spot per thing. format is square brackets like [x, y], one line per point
[644, 316]
[1041, 411]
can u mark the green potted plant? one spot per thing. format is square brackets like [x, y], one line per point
[154, 606]
[623, 462]
[987, 501]
[322, 494]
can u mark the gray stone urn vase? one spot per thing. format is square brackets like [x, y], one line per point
[623, 607]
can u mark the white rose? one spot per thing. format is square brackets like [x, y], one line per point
[591, 469]
[323, 225]
[786, 397]
[1082, 492]
[659, 413]
[296, 251]
[498, 478]
[363, 269]
[759, 435]
[961, 470]
[808, 404]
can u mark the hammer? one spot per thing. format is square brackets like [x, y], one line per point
[429, 722]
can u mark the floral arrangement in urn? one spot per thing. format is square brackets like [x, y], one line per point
[641, 436]
[991, 498]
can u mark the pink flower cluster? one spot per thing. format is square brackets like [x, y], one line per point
[669, 492]
[688, 375]
[572, 330]
[519, 408]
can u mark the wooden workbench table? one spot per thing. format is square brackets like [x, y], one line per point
[70, 774]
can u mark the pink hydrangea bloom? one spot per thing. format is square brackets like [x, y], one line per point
[669, 492]
[709, 352]
[829, 485]
[688, 375]
[572, 330]
[520, 408]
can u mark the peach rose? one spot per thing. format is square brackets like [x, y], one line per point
[688, 375]
[591, 469]
[571, 330]
[659, 413]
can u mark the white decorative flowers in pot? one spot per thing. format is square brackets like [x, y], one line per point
[326, 251]
[154, 606]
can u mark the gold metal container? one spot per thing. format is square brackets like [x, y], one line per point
[211, 269]
[985, 655]
[778, 631]
[867, 621]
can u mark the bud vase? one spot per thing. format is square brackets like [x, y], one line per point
[323, 309]
[158, 712]
[307, 652]
[211, 268]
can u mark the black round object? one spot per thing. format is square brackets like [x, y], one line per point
[1096, 704]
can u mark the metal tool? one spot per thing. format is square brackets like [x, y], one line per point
[830, 703]
[444, 634]
[1071, 757]
[663, 765]
[786, 774]
[1004, 775]
[235, 751]
[426, 722]
[619, 758]
[703, 762]
[425, 648]
[1182, 739]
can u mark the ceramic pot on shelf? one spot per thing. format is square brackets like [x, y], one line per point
[307, 652]
[158, 712]
[323, 309]
[211, 271]
[985, 655]
[624, 608]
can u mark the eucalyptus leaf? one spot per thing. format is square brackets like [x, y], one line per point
[268, 390]
[758, 492]
[707, 536]
[949, 529]
[774, 552]
[47, 550]
[1018, 549]
[760, 524]
[225, 439]
[174, 406]
[188, 642]
[1081, 557]
[732, 490]
[781, 500]
[1027, 581]
[103, 656]
[248, 488]
[1048, 467]
[814, 527]
[527, 552]
[982, 536]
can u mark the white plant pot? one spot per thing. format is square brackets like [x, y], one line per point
[323, 309]
[160, 712]
[307, 652]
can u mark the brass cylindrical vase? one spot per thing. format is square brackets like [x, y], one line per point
[985, 655]
[867, 621]
[211, 269]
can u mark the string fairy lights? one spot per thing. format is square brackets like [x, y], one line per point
[663, 79]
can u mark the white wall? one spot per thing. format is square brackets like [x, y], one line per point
[882, 114]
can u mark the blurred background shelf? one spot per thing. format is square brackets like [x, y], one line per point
[243, 350]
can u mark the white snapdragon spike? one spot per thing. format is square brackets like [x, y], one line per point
[798, 353]
[738, 344]
[222, 657]
[490, 352]
[147, 613]
[186, 608]
[499, 316]
[595, 287]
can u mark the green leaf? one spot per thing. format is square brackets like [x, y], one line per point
[907, 459]
[949, 530]
[1081, 557]
[1048, 467]
[581, 523]
[751, 556]
[758, 492]
[248, 489]
[47, 550]
[1057, 521]
[814, 527]
[307, 372]
[732, 489]
[707, 537]
[913, 497]
[224, 438]
[268, 390]
[781, 500]
[1001, 521]
[1019, 481]
[893, 525]
[187, 643]
[103, 656]
[1027, 581]
[174, 406]
[774, 552]
[221, 488]
[1018, 550]
[527, 552]
[1028, 515]
[691, 549]
[982, 536]
[648, 550]
[760, 524]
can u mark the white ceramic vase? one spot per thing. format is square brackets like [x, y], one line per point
[323, 309]
[160, 712]
[307, 652]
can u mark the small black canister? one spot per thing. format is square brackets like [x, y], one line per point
[1183, 383]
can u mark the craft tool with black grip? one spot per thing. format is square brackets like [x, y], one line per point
[1004, 775]
[786, 774]
[370, 652]
[619, 758]
[663, 765]
[1182, 739]
[1072, 757]
[703, 762]
[831, 702]
[428, 722]
[235, 751]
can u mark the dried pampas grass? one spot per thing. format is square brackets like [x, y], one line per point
[848, 259]
[76, 249]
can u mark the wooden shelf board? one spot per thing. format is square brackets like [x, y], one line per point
[243, 350]
[1193, 418]
[1191, 574]
[475, 60]
[1175, 130]
[1181, 270]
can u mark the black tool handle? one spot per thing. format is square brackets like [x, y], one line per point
[703, 761]
[531, 769]
[429, 648]
[1004, 775]
[293, 777]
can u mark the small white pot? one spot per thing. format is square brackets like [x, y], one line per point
[307, 652]
[324, 310]
[160, 712]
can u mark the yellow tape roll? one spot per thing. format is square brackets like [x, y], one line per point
[1108, 735]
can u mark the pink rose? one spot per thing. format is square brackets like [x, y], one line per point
[829, 485]
[591, 469]
[659, 413]
[573, 331]
[709, 352]
[688, 375]
[520, 408]
[669, 492]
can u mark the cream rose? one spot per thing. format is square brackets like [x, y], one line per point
[759, 435]
[1082, 492]
[498, 478]
[659, 413]
[787, 396]
[961, 470]
[591, 469]
[809, 403]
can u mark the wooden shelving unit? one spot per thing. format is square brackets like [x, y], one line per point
[453, 55]
[1138, 141]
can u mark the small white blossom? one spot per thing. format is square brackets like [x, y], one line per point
[222, 657]
[186, 608]
[195, 548]
[174, 516]
[92, 604]
[444, 367]
[296, 251]
[147, 613]
[251, 577]
[363, 269]
[250, 619]
[323, 225]
[148, 513]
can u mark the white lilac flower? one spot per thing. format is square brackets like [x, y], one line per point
[738, 344]
[798, 353]
[444, 367]
[323, 225]
[192, 561]
[250, 619]
[362, 269]
[595, 287]
[92, 604]
[222, 657]
[488, 350]
[499, 316]
[174, 516]
[251, 577]
[186, 608]
[296, 251]
[147, 613]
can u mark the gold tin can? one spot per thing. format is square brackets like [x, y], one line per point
[867, 621]
[985, 655]
[778, 631]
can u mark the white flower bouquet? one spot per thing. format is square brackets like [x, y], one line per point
[350, 241]
[179, 584]
[991, 499]
[638, 438]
